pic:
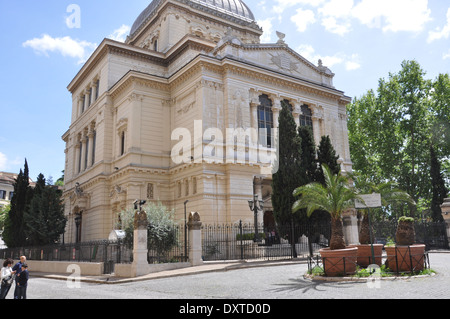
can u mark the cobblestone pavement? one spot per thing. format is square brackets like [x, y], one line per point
[274, 282]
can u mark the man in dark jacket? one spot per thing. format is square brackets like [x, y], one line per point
[22, 282]
[18, 268]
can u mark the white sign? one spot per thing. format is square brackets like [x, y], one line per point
[370, 201]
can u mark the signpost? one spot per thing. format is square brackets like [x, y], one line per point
[367, 202]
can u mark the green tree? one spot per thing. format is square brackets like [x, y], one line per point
[162, 236]
[390, 131]
[334, 198]
[326, 154]
[288, 176]
[14, 231]
[44, 219]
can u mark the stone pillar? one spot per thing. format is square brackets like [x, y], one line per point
[195, 239]
[140, 264]
[83, 152]
[445, 207]
[296, 114]
[276, 108]
[350, 222]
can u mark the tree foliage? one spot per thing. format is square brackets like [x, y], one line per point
[390, 130]
[45, 220]
[287, 178]
[161, 234]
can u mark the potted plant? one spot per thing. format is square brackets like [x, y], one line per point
[405, 256]
[335, 198]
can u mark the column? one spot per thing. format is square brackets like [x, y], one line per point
[94, 90]
[77, 167]
[140, 264]
[296, 113]
[87, 98]
[195, 239]
[83, 152]
[90, 148]
[276, 108]
[254, 121]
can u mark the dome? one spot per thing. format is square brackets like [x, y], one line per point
[235, 8]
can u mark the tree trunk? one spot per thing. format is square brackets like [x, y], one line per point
[337, 234]
[364, 233]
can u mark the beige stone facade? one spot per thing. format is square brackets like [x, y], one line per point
[188, 71]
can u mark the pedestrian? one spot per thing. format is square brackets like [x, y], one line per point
[22, 282]
[18, 269]
[7, 278]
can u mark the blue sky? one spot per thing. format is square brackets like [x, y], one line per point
[44, 45]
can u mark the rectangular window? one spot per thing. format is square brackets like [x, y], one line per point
[98, 89]
[94, 141]
[2, 194]
[11, 194]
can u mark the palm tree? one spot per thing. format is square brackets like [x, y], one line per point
[335, 198]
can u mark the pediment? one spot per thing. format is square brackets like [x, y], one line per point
[279, 58]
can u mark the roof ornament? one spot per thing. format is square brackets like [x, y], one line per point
[281, 37]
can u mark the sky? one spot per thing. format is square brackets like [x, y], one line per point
[45, 43]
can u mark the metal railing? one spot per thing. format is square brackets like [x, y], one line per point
[239, 241]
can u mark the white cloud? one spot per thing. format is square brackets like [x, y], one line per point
[336, 16]
[282, 5]
[267, 27]
[393, 15]
[439, 33]
[66, 46]
[350, 62]
[446, 56]
[120, 34]
[302, 19]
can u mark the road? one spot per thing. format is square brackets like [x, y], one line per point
[264, 283]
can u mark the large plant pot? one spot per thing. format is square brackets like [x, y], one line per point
[406, 258]
[365, 255]
[339, 262]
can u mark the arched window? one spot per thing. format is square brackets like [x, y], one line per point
[265, 121]
[306, 117]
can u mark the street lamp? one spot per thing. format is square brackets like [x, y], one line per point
[185, 230]
[255, 206]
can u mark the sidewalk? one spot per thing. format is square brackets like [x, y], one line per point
[206, 267]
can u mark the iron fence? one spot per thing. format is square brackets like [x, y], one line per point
[240, 242]
[105, 251]
[432, 234]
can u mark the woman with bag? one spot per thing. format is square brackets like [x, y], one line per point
[7, 277]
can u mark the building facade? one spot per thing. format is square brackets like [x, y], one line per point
[187, 110]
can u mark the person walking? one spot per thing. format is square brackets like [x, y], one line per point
[22, 282]
[6, 277]
[18, 269]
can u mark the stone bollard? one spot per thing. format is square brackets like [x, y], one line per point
[195, 239]
[140, 251]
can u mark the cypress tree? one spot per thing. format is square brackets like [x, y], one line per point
[288, 176]
[326, 154]
[14, 232]
[45, 218]
[439, 191]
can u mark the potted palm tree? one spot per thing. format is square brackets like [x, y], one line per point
[335, 198]
[405, 255]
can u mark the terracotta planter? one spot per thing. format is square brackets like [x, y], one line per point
[405, 258]
[339, 262]
[365, 255]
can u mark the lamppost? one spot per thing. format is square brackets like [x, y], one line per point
[254, 207]
[185, 230]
